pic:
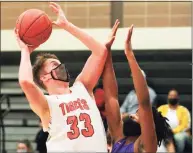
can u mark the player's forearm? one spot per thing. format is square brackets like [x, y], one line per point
[109, 79]
[25, 68]
[111, 100]
[139, 81]
[95, 46]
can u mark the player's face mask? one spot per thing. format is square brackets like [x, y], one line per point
[60, 73]
[131, 127]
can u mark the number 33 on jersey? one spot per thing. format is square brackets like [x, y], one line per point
[75, 123]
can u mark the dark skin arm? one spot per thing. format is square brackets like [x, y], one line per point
[148, 140]
[112, 110]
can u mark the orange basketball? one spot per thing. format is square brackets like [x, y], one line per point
[34, 27]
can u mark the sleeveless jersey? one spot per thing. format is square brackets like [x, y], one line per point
[121, 147]
[75, 124]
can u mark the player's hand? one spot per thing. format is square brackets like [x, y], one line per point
[112, 35]
[61, 19]
[22, 45]
[128, 46]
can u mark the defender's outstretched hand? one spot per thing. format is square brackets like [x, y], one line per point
[22, 45]
[61, 19]
[128, 46]
[112, 35]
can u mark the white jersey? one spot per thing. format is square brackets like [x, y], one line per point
[75, 124]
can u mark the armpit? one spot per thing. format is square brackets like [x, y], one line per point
[141, 147]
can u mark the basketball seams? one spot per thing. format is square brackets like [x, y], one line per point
[35, 27]
[50, 27]
[34, 22]
[41, 32]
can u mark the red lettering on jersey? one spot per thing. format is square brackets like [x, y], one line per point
[84, 104]
[67, 108]
[77, 104]
[74, 132]
[71, 106]
[62, 108]
[89, 130]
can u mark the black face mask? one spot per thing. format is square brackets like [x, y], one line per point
[60, 73]
[173, 101]
[131, 128]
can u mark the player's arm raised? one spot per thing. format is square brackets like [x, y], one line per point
[148, 137]
[112, 110]
[94, 66]
[33, 94]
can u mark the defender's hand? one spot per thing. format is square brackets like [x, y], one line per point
[128, 46]
[61, 18]
[112, 35]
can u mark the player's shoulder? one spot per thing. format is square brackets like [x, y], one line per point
[79, 87]
[78, 84]
[49, 97]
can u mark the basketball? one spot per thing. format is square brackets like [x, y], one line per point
[34, 27]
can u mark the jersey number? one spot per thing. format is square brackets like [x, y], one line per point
[75, 131]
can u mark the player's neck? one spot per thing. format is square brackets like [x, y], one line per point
[59, 90]
[131, 139]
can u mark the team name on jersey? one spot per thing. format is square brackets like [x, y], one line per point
[74, 105]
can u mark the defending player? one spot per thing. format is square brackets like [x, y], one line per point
[70, 115]
[140, 132]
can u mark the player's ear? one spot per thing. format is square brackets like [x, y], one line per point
[43, 78]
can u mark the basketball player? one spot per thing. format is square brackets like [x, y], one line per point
[140, 132]
[70, 115]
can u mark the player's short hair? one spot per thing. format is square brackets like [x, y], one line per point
[37, 67]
